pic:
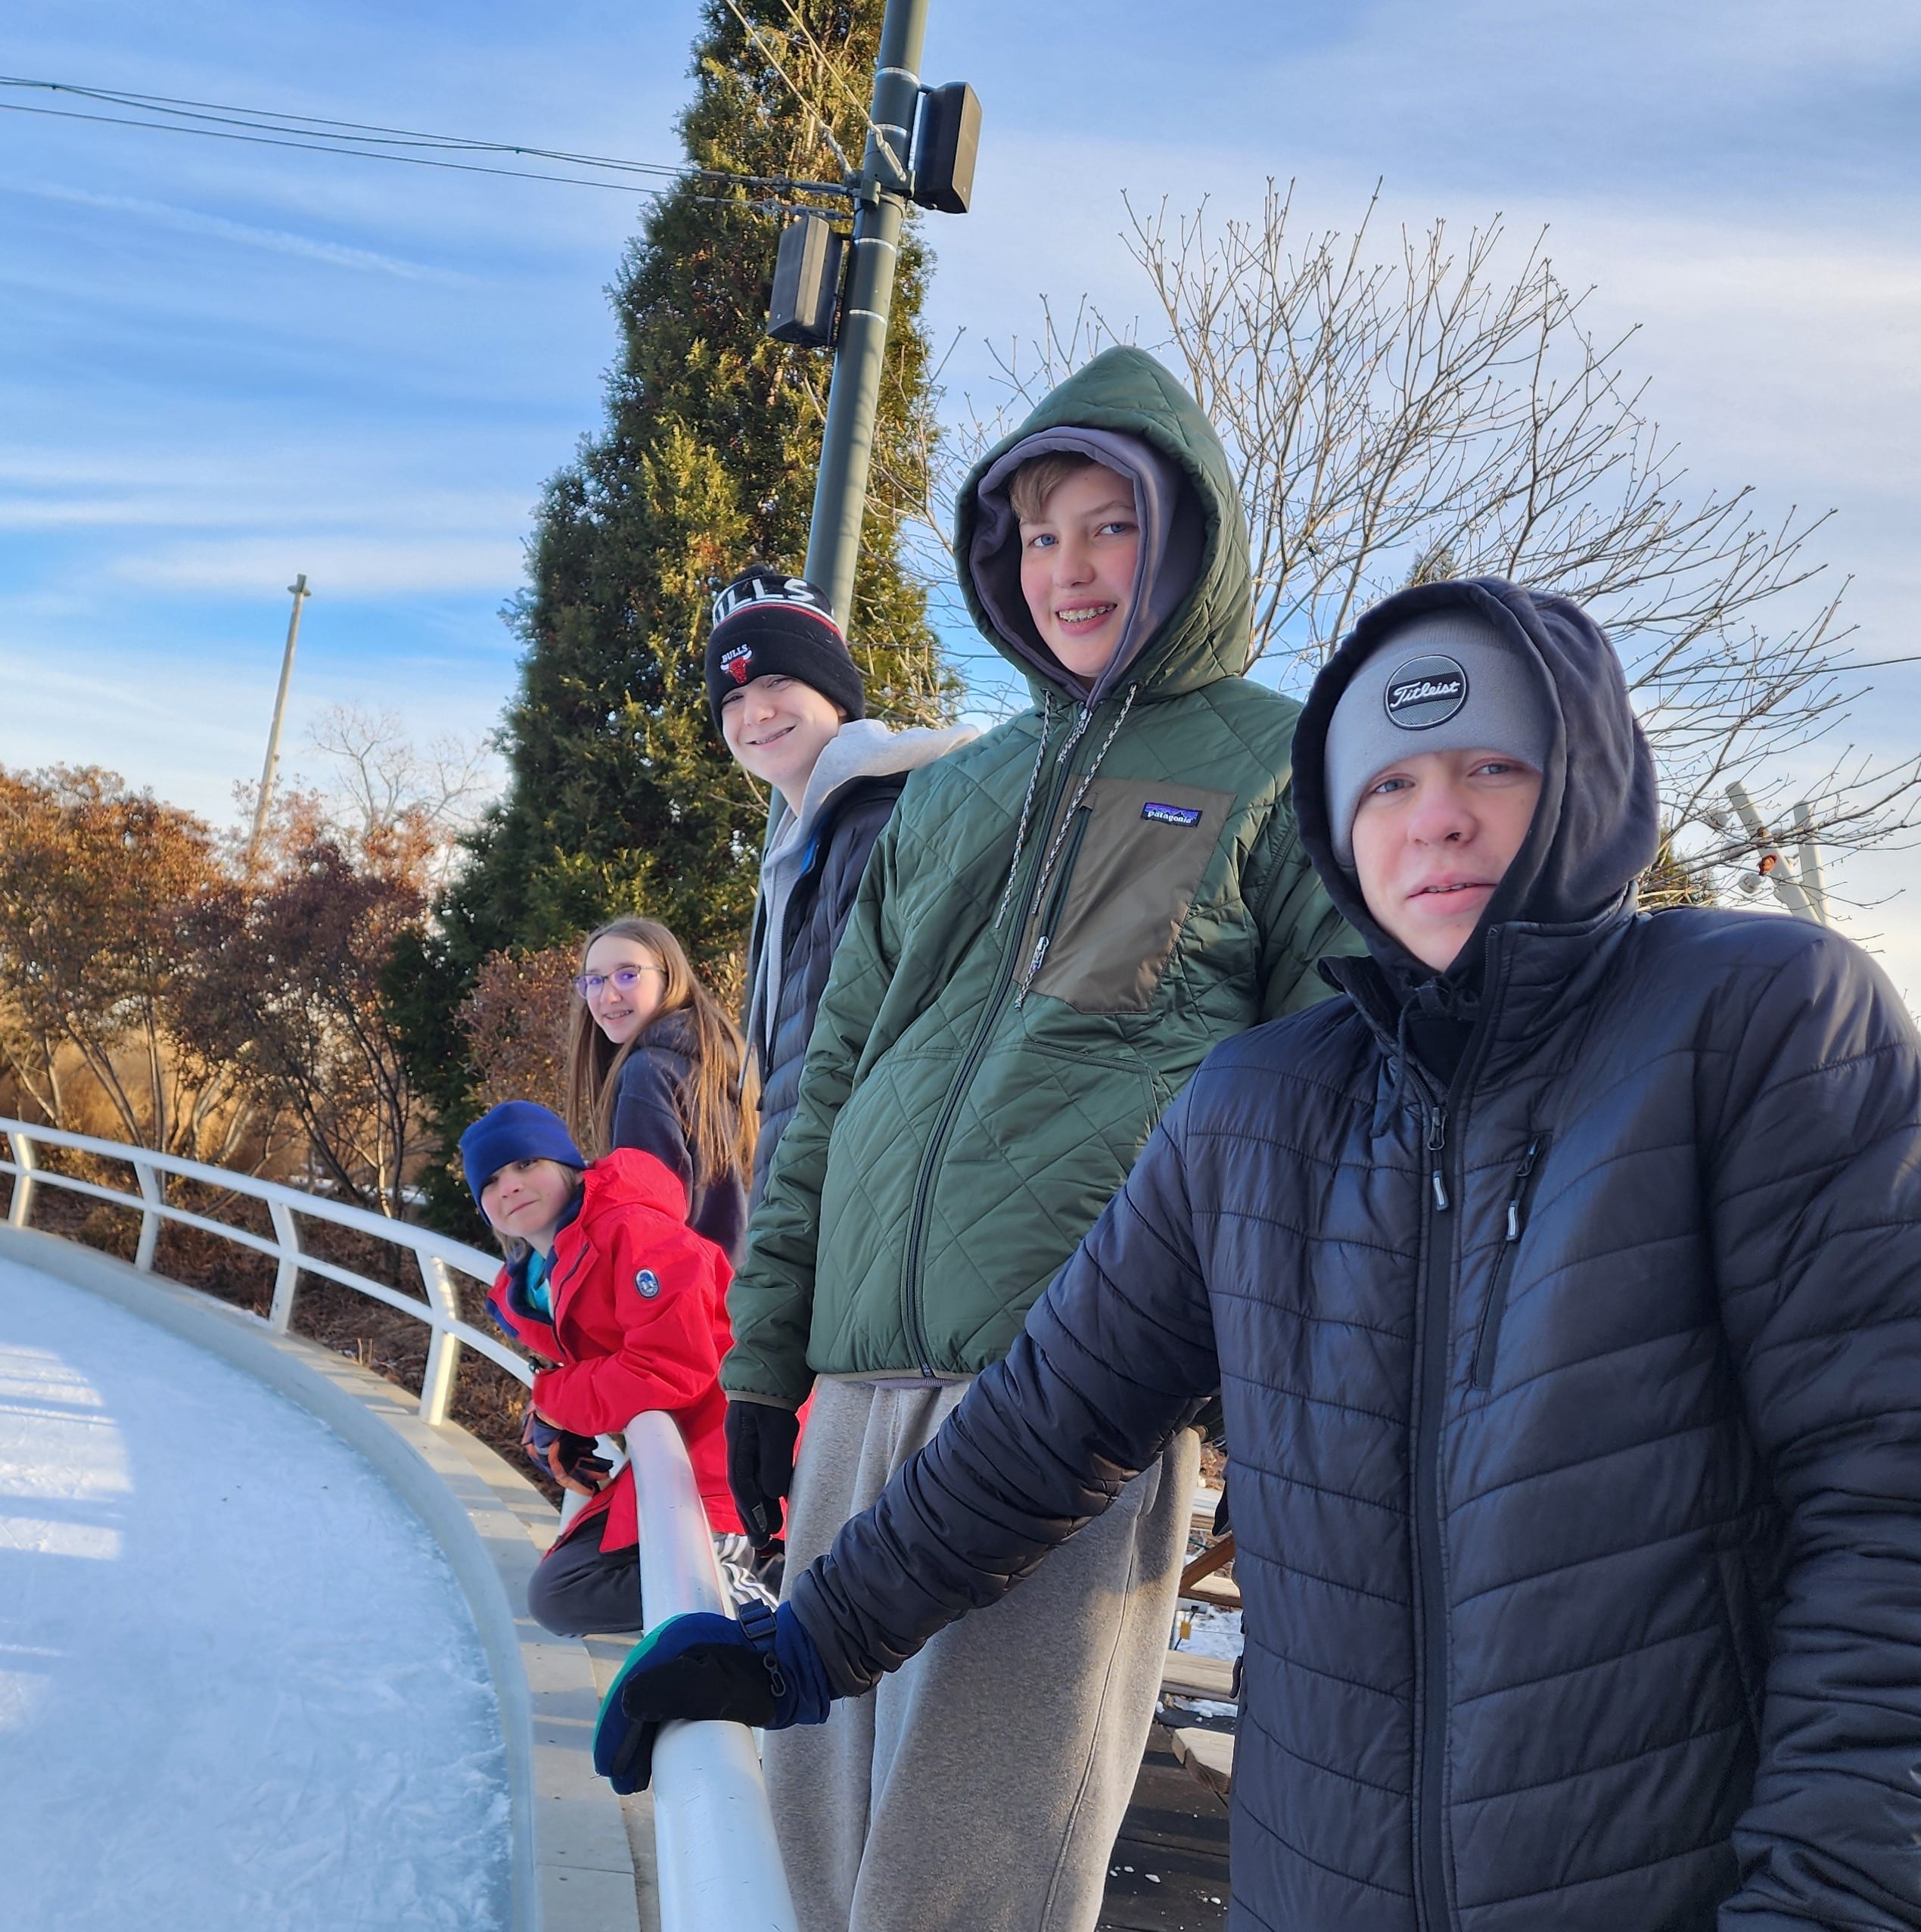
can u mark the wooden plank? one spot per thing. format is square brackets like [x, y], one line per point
[1221, 1591]
[1188, 1674]
[1209, 1755]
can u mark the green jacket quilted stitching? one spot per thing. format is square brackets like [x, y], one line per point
[965, 1116]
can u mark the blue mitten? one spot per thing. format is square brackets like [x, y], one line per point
[763, 1671]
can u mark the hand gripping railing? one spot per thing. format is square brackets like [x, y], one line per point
[437, 1259]
[718, 1862]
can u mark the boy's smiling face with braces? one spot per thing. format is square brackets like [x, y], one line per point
[1078, 565]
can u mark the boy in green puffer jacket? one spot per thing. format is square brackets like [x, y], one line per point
[1057, 924]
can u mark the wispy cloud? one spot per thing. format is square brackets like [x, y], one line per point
[245, 234]
[351, 566]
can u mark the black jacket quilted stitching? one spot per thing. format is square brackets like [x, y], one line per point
[817, 913]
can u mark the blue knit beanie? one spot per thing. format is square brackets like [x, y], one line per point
[514, 1130]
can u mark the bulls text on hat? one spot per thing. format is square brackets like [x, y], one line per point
[1426, 691]
[769, 590]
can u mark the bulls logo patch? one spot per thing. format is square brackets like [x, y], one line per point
[1426, 691]
[738, 663]
[648, 1283]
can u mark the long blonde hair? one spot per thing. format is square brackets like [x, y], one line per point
[719, 1104]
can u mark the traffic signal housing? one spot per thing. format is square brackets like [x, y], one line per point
[946, 137]
[807, 283]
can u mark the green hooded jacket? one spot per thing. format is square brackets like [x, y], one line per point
[1057, 923]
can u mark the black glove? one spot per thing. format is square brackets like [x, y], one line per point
[569, 1458]
[764, 1671]
[760, 1439]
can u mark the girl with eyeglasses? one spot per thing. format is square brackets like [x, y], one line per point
[654, 1063]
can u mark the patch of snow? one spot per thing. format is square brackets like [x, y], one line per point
[239, 1686]
[1208, 1631]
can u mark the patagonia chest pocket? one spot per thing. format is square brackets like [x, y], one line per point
[1130, 869]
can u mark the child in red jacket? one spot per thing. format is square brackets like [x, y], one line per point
[605, 1281]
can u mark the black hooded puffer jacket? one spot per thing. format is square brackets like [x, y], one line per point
[816, 917]
[1574, 1406]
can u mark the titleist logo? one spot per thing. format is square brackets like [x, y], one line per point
[1427, 687]
[1426, 691]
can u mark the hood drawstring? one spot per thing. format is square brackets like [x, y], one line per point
[1027, 804]
[1053, 852]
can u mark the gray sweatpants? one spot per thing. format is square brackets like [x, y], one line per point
[979, 1789]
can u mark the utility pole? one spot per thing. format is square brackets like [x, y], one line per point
[1796, 884]
[847, 448]
[299, 594]
[920, 147]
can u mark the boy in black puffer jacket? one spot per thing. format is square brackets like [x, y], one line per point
[1562, 1287]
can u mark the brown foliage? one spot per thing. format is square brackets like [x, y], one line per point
[96, 881]
[515, 1021]
[286, 994]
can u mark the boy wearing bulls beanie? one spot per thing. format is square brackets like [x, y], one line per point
[788, 699]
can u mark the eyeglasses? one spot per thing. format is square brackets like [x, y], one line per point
[622, 979]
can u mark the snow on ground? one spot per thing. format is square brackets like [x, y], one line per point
[239, 1687]
[1209, 1631]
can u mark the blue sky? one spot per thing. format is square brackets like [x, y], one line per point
[220, 366]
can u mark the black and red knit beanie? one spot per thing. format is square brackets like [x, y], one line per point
[765, 625]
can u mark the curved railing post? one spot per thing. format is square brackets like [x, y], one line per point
[148, 1182]
[443, 1351]
[287, 1265]
[24, 1163]
[718, 1860]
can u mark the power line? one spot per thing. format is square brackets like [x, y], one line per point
[317, 134]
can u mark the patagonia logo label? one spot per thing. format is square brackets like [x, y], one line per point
[1171, 814]
[648, 1283]
[1426, 691]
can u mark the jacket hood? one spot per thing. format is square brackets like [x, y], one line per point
[628, 1178]
[1596, 827]
[1194, 531]
[864, 747]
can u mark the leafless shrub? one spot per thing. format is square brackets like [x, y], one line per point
[1441, 407]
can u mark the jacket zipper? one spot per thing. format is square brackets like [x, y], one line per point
[1056, 900]
[1491, 1318]
[1431, 1647]
[1434, 1329]
[910, 1272]
[555, 1284]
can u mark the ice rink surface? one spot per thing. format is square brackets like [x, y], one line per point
[239, 1687]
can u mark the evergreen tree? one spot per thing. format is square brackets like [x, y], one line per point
[621, 796]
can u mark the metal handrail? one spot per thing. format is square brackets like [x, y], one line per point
[719, 1862]
[716, 1858]
[437, 1259]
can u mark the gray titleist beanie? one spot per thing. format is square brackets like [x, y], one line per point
[1447, 681]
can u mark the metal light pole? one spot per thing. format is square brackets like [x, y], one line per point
[298, 589]
[847, 444]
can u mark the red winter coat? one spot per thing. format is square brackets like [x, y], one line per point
[639, 1323]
